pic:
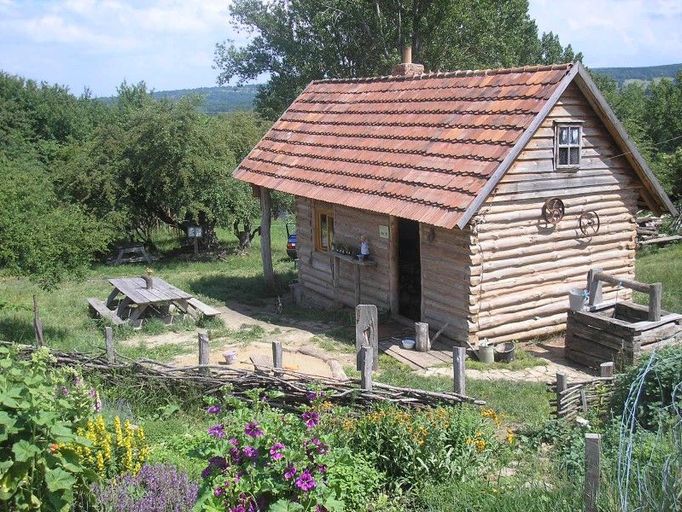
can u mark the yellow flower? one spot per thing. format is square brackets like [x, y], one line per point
[510, 437]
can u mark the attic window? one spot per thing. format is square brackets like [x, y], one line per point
[324, 230]
[567, 145]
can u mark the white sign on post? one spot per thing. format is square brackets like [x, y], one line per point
[383, 231]
[194, 232]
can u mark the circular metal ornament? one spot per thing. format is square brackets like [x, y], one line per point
[589, 223]
[553, 210]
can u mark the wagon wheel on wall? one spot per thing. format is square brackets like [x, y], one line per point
[553, 210]
[589, 223]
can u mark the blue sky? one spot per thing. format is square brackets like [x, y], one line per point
[169, 43]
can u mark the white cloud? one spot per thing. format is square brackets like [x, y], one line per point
[613, 32]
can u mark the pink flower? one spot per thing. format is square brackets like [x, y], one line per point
[213, 409]
[217, 431]
[250, 452]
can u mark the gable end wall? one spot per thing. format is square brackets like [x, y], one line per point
[527, 266]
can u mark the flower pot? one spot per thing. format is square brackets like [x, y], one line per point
[230, 357]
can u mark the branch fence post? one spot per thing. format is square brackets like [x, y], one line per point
[561, 385]
[277, 356]
[459, 355]
[592, 471]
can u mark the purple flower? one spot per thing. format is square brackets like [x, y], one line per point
[233, 441]
[64, 391]
[253, 429]
[238, 508]
[311, 418]
[313, 395]
[219, 463]
[217, 431]
[218, 492]
[289, 472]
[315, 445]
[276, 451]
[322, 468]
[250, 452]
[235, 455]
[306, 482]
[213, 409]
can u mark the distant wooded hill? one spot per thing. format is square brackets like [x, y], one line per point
[215, 99]
[645, 74]
[228, 99]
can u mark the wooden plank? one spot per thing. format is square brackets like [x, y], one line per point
[367, 331]
[100, 308]
[592, 471]
[205, 309]
[459, 355]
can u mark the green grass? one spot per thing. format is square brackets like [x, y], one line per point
[662, 265]
[518, 402]
[64, 312]
[522, 360]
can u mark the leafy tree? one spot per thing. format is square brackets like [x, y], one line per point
[302, 40]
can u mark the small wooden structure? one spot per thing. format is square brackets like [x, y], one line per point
[618, 330]
[484, 196]
[134, 253]
[134, 298]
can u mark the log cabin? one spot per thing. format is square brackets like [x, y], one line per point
[484, 196]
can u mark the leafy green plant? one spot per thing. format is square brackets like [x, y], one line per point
[439, 444]
[40, 411]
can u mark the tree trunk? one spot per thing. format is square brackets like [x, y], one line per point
[243, 235]
[265, 248]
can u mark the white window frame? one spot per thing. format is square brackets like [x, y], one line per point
[569, 125]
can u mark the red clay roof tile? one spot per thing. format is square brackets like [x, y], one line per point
[417, 147]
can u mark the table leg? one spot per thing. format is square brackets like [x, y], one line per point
[111, 297]
[122, 306]
[134, 318]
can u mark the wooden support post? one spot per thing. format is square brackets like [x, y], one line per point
[37, 324]
[109, 345]
[459, 355]
[265, 246]
[594, 287]
[366, 355]
[277, 356]
[203, 351]
[655, 292]
[606, 369]
[592, 471]
[423, 342]
[367, 332]
[393, 264]
[358, 285]
[561, 385]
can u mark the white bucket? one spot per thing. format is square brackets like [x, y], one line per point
[576, 299]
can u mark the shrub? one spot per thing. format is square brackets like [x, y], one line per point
[658, 397]
[437, 444]
[40, 411]
[263, 459]
[155, 488]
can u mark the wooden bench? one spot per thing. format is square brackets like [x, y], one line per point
[202, 308]
[98, 307]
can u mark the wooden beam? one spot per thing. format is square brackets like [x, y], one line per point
[592, 471]
[37, 324]
[367, 332]
[265, 245]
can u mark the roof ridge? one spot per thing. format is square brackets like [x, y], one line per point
[451, 74]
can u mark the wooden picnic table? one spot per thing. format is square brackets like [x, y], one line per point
[131, 298]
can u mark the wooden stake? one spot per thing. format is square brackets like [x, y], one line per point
[423, 343]
[606, 369]
[367, 332]
[109, 345]
[203, 352]
[37, 324]
[655, 292]
[265, 246]
[366, 377]
[459, 355]
[561, 385]
[277, 355]
[592, 471]
[594, 287]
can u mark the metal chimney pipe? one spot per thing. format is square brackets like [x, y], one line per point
[407, 54]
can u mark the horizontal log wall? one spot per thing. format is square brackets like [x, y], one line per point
[449, 270]
[316, 268]
[527, 266]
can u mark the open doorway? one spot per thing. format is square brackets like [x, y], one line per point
[409, 270]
